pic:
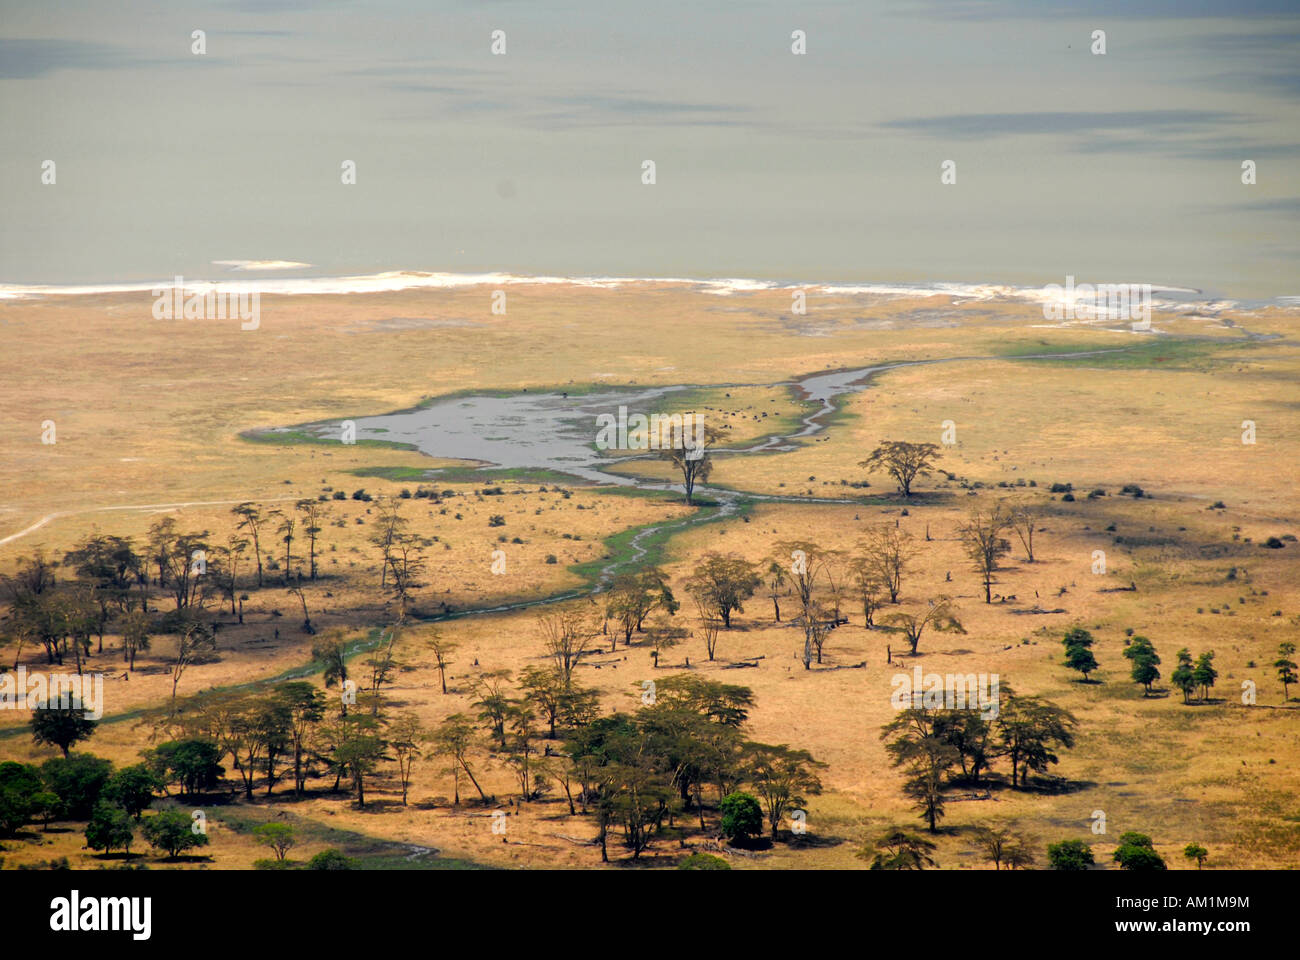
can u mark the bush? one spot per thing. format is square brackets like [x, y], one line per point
[1273, 543]
[331, 859]
[703, 861]
[496, 520]
[340, 495]
[1068, 498]
[1132, 489]
[274, 864]
[1060, 488]
[1137, 853]
[742, 817]
[1070, 855]
[550, 558]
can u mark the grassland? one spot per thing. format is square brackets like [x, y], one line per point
[160, 419]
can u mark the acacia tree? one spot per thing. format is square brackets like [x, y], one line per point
[1205, 674]
[1002, 846]
[775, 587]
[196, 642]
[390, 526]
[1030, 728]
[633, 596]
[781, 776]
[903, 461]
[693, 461]
[406, 736]
[442, 648]
[899, 850]
[332, 654]
[251, 519]
[1078, 651]
[453, 739]
[915, 743]
[984, 544]
[566, 633]
[941, 615]
[1286, 668]
[725, 583]
[867, 588]
[304, 706]
[886, 551]
[313, 517]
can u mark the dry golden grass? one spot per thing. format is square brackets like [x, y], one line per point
[150, 414]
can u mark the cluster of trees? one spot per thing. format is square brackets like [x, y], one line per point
[112, 803]
[929, 745]
[1194, 677]
[636, 773]
[1136, 852]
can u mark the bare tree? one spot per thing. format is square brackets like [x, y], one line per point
[566, 634]
[1021, 518]
[887, 550]
[985, 545]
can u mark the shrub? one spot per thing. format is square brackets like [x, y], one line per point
[331, 859]
[1070, 855]
[1060, 488]
[1273, 543]
[550, 558]
[1137, 853]
[742, 817]
[703, 861]
[1132, 489]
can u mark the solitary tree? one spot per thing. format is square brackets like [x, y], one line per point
[1286, 668]
[1078, 652]
[940, 615]
[984, 544]
[172, 831]
[693, 460]
[61, 725]
[903, 461]
[1194, 851]
[278, 836]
